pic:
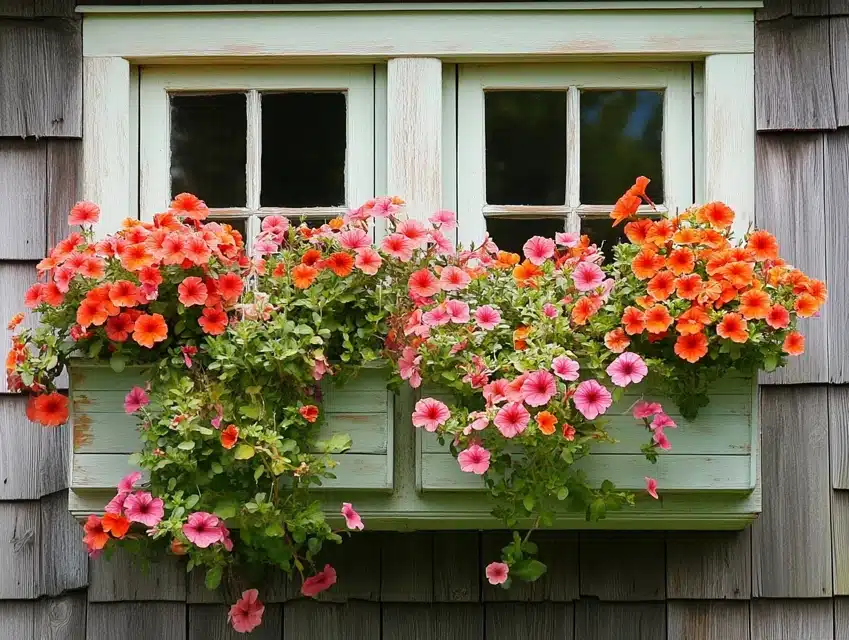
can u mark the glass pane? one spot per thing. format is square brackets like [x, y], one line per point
[525, 147]
[602, 233]
[303, 149]
[621, 134]
[209, 148]
[510, 234]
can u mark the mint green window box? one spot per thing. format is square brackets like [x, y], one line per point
[401, 478]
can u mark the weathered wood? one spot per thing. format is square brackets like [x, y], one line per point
[838, 7]
[16, 277]
[20, 544]
[38, 9]
[792, 619]
[17, 619]
[64, 562]
[274, 587]
[122, 577]
[309, 619]
[63, 185]
[841, 619]
[839, 36]
[61, 618]
[148, 620]
[209, 622]
[40, 64]
[790, 204]
[623, 565]
[773, 9]
[559, 550]
[793, 86]
[838, 430]
[356, 561]
[839, 536]
[791, 541]
[810, 8]
[23, 194]
[428, 621]
[835, 312]
[620, 620]
[410, 580]
[709, 565]
[508, 621]
[707, 620]
[456, 566]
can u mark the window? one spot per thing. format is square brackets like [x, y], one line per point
[548, 148]
[253, 141]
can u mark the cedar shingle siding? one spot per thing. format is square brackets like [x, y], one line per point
[786, 578]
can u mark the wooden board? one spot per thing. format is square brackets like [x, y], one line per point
[792, 619]
[20, 548]
[709, 565]
[510, 620]
[148, 620]
[122, 577]
[308, 619]
[620, 620]
[836, 310]
[623, 565]
[707, 619]
[429, 621]
[23, 192]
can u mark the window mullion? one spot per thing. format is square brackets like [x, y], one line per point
[254, 150]
[573, 157]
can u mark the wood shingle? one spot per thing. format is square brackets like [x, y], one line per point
[707, 619]
[792, 619]
[709, 565]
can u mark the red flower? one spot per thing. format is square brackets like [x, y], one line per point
[213, 321]
[321, 581]
[50, 409]
[309, 412]
[229, 436]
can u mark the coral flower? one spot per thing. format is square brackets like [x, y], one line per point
[717, 214]
[686, 236]
[84, 212]
[444, 218]
[647, 263]
[565, 368]
[587, 276]
[651, 487]
[740, 274]
[634, 321]
[430, 413]
[143, 507]
[497, 572]
[352, 518]
[624, 208]
[91, 312]
[592, 399]
[202, 529]
[616, 340]
[34, 296]
[50, 409]
[340, 263]
[213, 321]
[321, 581]
[585, 308]
[689, 287]
[520, 337]
[368, 261]
[458, 311]
[150, 329]
[398, 246]
[136, 257]
[778, 317]
[454, 279]
[794, 344]
[662, 285]
[119, 328]
[229, 436]
[512, 419]
[189, 205]
[754, 304]
[538, 249]
[354, 239]
[538, 388]
[763, 245]
[569, 432]
[806, 305]
[309, 412]
[415, 231]
[733, 327]
[246, 614]
[487, 317]
[17, 319]
[637, 231]
[230, 286]
[303, 276]
[475, 459]
[658, 319]
[681, 261]
[135, 400]
[643, 409]
[525, 272]
[311, 257]
[124, 293]
[95, 537]
[627, 368]
[693, 320]
[192, 291]
[546, 422]
[691, 347]
[116, 524]
[423, 284]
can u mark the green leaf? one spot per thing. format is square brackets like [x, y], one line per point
[225, 510]
[528, 570]
[250, 411]
[216, 468]
[770, 363]
[338, 443]
[186, 445]
[563, 493]
[528, 503]
[258, 473]
[213, 578]
[244, 452]
[118, 362]
[94, 349]
[192, 500]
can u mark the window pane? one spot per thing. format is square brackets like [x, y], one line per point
[510, 234]
[303, 149]
[621, 134]
[209, 148]
[602, 233]
[239, 224]
[525, 147]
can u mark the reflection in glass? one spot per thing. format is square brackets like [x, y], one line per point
[303, 149]
[603, 234]
[209, 147]
[621, 136]
[510, 234]
[525, 147]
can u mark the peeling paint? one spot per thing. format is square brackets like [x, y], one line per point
[82, 431]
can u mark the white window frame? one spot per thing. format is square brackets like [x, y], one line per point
[675, 79]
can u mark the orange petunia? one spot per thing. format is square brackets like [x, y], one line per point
[187, 204]
[303, 276]
[49, 409]
[634, 321]
[717, 261]
[717, 214]
[17, 319]
[616, 340]
[136, 257]
[230, 286]
[213, 321]
[52, 295]
[662, 285]
[658, 319]
[806, 305]
[763, 246]
[740, 274]
[778, 317]
[794, 344]
[124, 293]
[340, 263]
[116, 524]
[585, 308]
[637, 231]
[336, 223]
[754, 304]
[733, 327]
[714, 239]
[119, 328]
[661, 232]
[691, 347]
[816, 288]
[644, 301]
[525, 273]
[192, 291]
[311, 257]
[689, 287]
[520, 336]
[681, 261]
[150, 329]
[546, 422]
[229, 436]
[687, 236]
[624, 208]
[91, 312]
[693, 320]
[646, 264]
[507, 260]
[95, 537]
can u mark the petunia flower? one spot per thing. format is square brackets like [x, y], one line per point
[643, 409]
[423, 284]
[538, 249]
[538, 388]
[352, 518]
[445, 219]
[662, 421]
[202, 529]
[587, 276]
[309, 412]
[651, 487]
[84, 212]
[458, 311]
[627, 368]
[487, 317]
[321, 581]
[475, 459]
[368, 261]
[454, 279]
[408, 366]
[398, 246]
[135, 400]
[430, 414]
[565, 368]
[479, 422]
[512, 419]
[143, 507]
[354, 239]
[246, 614]
[497, 572]
[569, 239]
[592, 399]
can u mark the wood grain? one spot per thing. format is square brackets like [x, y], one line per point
[836, 310]
[20, 546]
[774, 9]
[793, 86]
[16, 277]
[64, 172]
[357, 561]
[838, 431]
[122, 577]
[791, 205]
[309, 619]
[791, 541]
[839, 41]
[40, 63]
[792, 619]
[61, 618]
[841, 619]
[839, 536]
[141, 620]
[23, 194]
[38, 8]
[709, 565]
[17, 619]
[508, 620]
[429, 621]
[623, 565]
[64, 561]
[457, 566]
[707, 620]
[410, 579]
[620, 620]
[209, 622]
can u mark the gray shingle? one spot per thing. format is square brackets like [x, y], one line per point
[410, 580]
[620, 620]
[836, 310]
[136, 620]
[20, 545]
[623, 565]
[709, 564]
[511, 620]
[840, 540]
[429, 621]
[811, 619]
[64, 561]
[708, 619]
[23, 192]
[122, 577]
[457, 567]
[310, 619]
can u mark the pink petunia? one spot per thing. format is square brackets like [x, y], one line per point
[587, 276]
[415, 231]
[381, 207]
[591, 399]
[569, 239]
[458, 311]
[135, 400]
[487, 317]
[408, 365]
[368, 261]
[479, 422]
[143, 507]
[514, 388]
[549, 310]
[246, 614]
[275, 224]
[645, 409]
[423, 284]
[538, 388]
[454, 278]
[475, 459]
[651, 487]
[128, 482]
[496, 391]
[436, 317]
[627, 368]
[497, 572]
[512, 419]
[662, 421]
[84, 212]
[565, 368]
[538, 249]
[444, 218]
[661, 440]
[116, 504]
[352, 518]
[441, 243]
[430, 413]
[398, 246]
[226, 542]
[354, 239]
[321, 581]
[202, 529]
